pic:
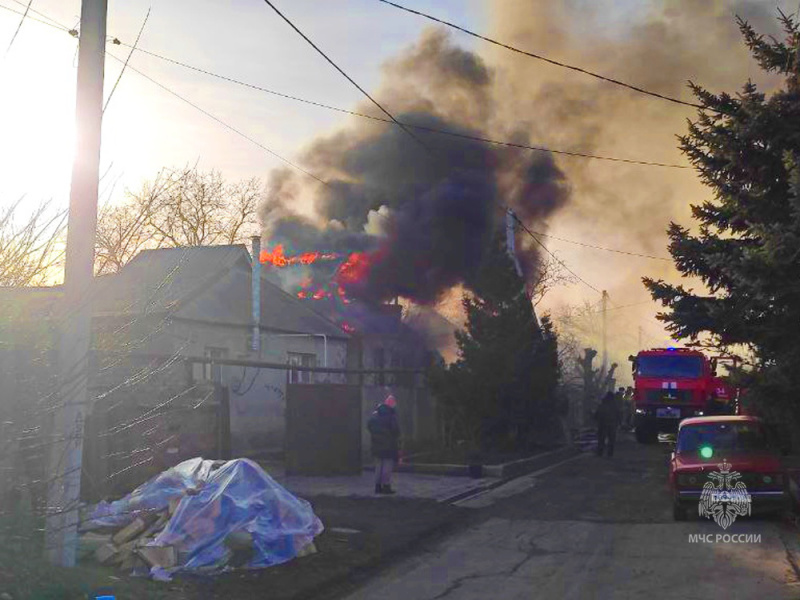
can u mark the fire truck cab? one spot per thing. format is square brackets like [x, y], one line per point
[672, 384]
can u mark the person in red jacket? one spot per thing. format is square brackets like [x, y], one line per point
[385, 431]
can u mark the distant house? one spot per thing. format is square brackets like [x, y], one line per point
[202, 298]
[169, 306]
[198, 303]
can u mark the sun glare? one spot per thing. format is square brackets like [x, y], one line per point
[36, 121]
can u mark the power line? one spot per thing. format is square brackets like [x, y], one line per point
[409, 125]
[531, 233]
[651, 257]
[41, 14]
[455, 134]
[597, 312]
[198, 108]
[642, 326]
[545, 59]
[54, 24]
[19, 26]
[220, 121]
[127, 60]
[346, 76]
[558, 260]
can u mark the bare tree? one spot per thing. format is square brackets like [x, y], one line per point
[122, 229]
[31, 247]
[178, 208]
[550, 274]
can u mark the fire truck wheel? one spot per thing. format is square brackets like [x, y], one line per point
[679, 512]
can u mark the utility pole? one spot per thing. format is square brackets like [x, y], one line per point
[66, 454]
[605, 332]
[511, 246]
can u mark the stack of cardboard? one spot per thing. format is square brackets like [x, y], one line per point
[128, 548]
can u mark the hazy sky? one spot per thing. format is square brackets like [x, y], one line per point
[146, 128]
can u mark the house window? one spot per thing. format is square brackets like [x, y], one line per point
[301, 360]
[402, 361]
[379, 362]
[213, 372]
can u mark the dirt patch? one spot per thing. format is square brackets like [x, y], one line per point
[387, 527]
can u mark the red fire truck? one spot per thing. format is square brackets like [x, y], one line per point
[671, 384]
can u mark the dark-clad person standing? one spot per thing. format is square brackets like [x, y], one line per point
[385, 431]
[608, 417]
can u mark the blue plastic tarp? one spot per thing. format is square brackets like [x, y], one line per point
[153, 496]
[238, 497]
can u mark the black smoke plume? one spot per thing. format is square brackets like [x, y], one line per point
[423, 210]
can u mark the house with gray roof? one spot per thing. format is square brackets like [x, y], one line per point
[198, 302]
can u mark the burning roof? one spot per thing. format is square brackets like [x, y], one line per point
[278, 259]
[399, 220]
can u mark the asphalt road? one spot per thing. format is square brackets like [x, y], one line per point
[596, 528]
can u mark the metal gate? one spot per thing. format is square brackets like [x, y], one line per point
[323, 429]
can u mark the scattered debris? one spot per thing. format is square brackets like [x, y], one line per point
[165, 557]
[90, 543]
[106, 554]
[201, 515]
[132, 531]
[354, 537]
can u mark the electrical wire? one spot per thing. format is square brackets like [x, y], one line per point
[30, 18]
[127, 60]
[19, 26]
[455, 134]
[475, 138]
[558, 260]
[346, 76]
[44, 16]
[545, 59]
[585, 245]
[220, 121]
[597, 312]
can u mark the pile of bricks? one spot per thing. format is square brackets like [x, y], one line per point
[129, 548]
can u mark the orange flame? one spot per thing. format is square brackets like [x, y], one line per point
[354, 269]
[278, 259]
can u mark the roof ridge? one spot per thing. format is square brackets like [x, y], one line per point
[224, 265]
[297, 301]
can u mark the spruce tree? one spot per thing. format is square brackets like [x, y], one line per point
[745, 247]
[503, 384]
